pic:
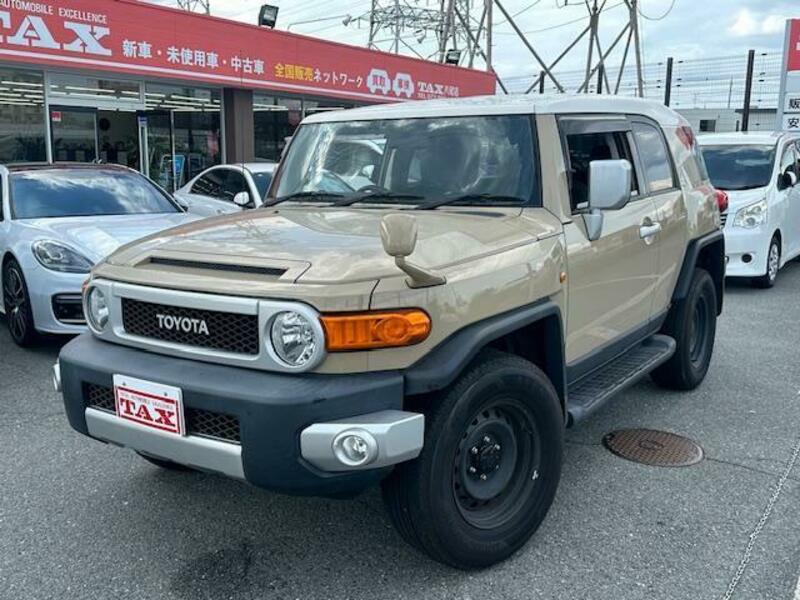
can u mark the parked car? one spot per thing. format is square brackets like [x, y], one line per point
[56, 221]
[759, 172]
[227, 188]
[434, 330]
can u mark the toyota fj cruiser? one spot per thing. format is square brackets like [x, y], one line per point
[432, 292]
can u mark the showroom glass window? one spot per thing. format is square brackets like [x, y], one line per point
[189, 118]
[22, 124]
[274, 121]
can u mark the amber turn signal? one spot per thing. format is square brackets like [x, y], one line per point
[371, 330]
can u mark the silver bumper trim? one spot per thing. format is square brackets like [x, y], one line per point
[192, 451]
[399, 436]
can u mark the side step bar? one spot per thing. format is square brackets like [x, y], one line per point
[592, 391]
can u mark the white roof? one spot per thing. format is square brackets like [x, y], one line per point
[754, 138]
[505, 105]
[258, 167]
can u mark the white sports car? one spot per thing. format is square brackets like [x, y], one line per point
[56, 222]
[227, 188]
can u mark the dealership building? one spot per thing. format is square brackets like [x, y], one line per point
[171, 93]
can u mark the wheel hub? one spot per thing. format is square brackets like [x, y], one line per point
[488, 457]
[485, 458]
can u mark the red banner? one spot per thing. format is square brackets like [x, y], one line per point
[126, 36]
[794, 46]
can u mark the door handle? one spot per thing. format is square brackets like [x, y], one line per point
[648, 231]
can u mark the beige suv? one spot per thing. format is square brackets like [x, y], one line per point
[432, 292]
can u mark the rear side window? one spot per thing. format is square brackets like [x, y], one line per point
[586, 147]
[654, 155]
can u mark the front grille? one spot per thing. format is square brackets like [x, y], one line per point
[229, 332]
[202, 423]
[723, 218]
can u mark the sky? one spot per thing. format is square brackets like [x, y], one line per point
[684, 29]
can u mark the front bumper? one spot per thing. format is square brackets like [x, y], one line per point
[43, 287]
[287, 423]
[742, 244]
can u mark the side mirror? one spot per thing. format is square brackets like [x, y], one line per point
[242, 200]
[399, 237]
[787, 180]
[609, 189]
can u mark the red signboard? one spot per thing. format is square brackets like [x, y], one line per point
[126, 36]
[794, 46]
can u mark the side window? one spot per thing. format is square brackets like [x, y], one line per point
[234, 183]
[583, 149]
[211, 184]
[655, 157]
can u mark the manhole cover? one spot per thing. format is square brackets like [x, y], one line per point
[654, 448]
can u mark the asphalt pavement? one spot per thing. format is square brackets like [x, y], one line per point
[80, 519]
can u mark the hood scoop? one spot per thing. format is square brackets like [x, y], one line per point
[216, 266]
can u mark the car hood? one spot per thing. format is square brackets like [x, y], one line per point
[98, 236]
[740, 198]
[330, 245]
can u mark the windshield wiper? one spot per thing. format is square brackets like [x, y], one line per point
[379, 196]
[469, 199]
[304, 196]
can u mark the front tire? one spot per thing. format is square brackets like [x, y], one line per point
[17, 305]
[773, 264]
[489, 469]
[692, 323]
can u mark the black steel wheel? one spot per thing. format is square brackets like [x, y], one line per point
[498, 450]
[17, 305]
[490, 466]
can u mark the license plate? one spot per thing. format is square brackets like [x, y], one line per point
[149, 404]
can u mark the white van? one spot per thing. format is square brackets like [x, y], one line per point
[759, 172]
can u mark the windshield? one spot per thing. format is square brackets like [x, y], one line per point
[741, 167]
[489, 159]
[84, 192]
[262, 181]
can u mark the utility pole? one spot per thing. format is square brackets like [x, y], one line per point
[748, 90]
[195, 5]
[489, 13]
[634, 23]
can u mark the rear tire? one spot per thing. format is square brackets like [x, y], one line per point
[767, 280]
[490, 466]
[692, 323]
[17, 306]
[165, 464]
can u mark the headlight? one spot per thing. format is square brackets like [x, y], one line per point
[295, 339]
[752, 215]
[96, 309]
[59, 257]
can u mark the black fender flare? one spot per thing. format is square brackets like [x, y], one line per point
[707, 252]
[442, 365]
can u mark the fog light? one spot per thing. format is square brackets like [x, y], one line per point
[355, 448]
[747, 258]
